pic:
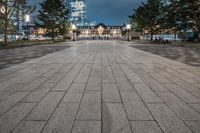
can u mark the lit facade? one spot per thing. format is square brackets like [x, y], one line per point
[100, 30]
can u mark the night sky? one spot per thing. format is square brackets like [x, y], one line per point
[110, 12]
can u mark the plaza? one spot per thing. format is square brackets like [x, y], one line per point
[99, 87]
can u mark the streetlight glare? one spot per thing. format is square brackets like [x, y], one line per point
[27, 18]
[128, 26]
[73, 27]
[2, 10]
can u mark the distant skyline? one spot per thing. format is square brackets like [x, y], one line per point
[109, 12]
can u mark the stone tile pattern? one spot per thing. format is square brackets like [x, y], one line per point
[100, 87]
[10, 57]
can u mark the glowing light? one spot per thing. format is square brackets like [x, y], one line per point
[87, 32]
[27, 18]
[2, 10]
[73, 27]
[100, 30]
[128, 26]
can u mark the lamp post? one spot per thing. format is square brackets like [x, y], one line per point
[27, 20]
[73, 31]
[128, 27]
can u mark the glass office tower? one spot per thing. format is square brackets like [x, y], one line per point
[77, 12]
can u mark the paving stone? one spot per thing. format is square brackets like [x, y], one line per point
[184, 84]
[135, 108]
[117, 71]
[53, 71]
[75, 93]
[125, 85]
[90, 60]
[87, 127]
[140, 72]
[92, 77]
[73, 73]
[4, 93]
[179, 107]
[161, 79]
[62, 120]
[96, 71]
[115, 119]
[8, 77]
[105, 60]
[47, 84]
[194, 125]
[155, 85]
[183, 94]
[110, 93]
[133, 77]
[145, 127]
[84, 74]
[12, 81]
[196, 107]
[66, 68]
[93, 85]
[90, 108]
[197, 94]
[107, 76]
[63, 85]
[182, 75]
[29, 127]
[46, 107]
[166, 74]
[33, 85]
[10, 101]
[37, 95]
[168, 121]
[56, 78]
[147, 94]
[9, 120]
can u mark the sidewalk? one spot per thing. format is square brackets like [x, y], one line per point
[31, 43]
[100, 87]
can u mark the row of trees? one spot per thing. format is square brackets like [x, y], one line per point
[52, 16]
[156, 16]
[9, 11]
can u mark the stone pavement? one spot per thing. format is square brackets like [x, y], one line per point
[100, 87]
[188, 53]
[13, 56]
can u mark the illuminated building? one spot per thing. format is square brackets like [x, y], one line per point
[77, 12]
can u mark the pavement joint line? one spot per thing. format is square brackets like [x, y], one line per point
[61, 97]
[29, 92]
[81, 98]
[101, 93]
[161, 103]
[120, 96]
[184, 121]
[35, 105]
[86, 120]
[110, 56]
[142, 101]
[36, 120]
[57, 71]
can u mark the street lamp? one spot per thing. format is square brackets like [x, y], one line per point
[2, 10]
[27, 20]
[128, 27]
[73, 31]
